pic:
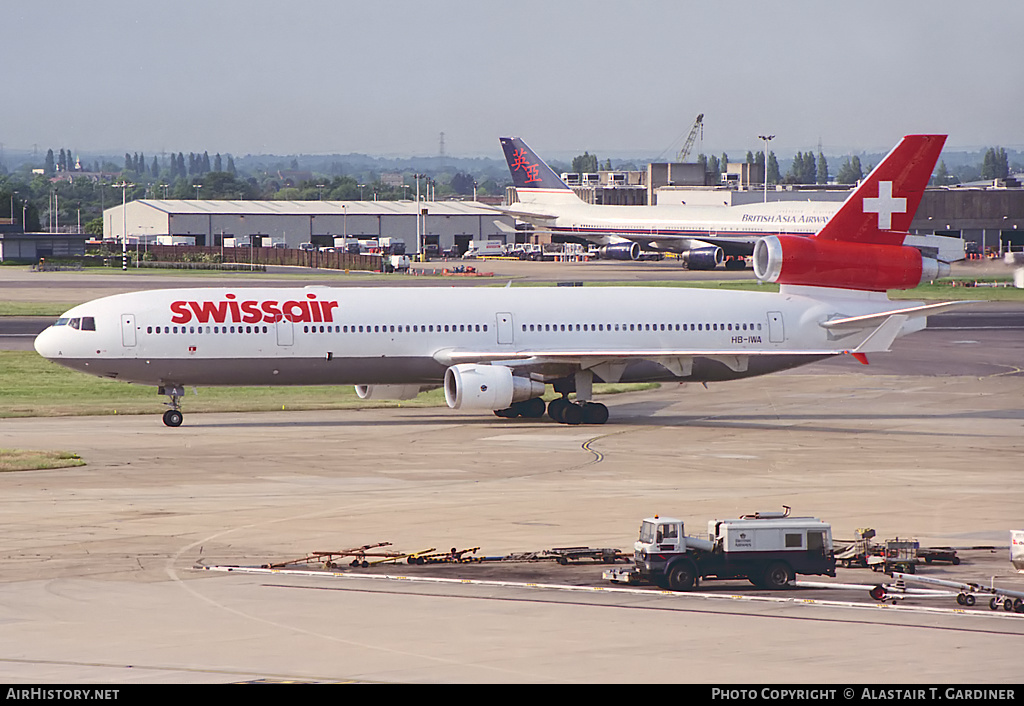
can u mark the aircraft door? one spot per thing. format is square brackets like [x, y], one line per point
[285, 333]
[776, 330]
[505, 328]
[128, 330]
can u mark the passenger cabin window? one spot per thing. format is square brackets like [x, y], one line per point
[794, 541]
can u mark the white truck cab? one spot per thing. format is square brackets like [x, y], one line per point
[767, 548]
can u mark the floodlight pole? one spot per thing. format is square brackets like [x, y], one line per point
[767, 139]
[124, 186]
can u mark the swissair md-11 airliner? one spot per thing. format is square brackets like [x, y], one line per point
[496, 349]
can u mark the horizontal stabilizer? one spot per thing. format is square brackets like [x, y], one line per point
[856, 323]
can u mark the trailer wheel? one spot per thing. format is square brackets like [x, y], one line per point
[682, 576]
[1018, 605]
[878, 592]
[777, 576]
[994, 604]
[969, 600]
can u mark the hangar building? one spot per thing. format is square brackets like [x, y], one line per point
[445, 224]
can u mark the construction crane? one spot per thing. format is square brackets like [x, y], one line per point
[698, 127]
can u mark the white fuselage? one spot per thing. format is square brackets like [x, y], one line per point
[671, 226]
[410, 336]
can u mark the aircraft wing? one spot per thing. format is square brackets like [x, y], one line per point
[610, 364]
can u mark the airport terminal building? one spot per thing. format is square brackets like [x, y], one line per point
[444, 225]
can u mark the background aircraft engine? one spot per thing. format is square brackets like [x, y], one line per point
[489, 387]
[387, 392]
[793, 259]
[703, 258]
[620, 251]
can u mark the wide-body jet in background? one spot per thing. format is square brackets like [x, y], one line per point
[497, 349]
[703, 235]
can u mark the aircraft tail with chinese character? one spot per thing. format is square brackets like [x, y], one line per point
[536, 183]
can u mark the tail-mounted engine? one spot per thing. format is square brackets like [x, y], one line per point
[490, 387]
[792, 259]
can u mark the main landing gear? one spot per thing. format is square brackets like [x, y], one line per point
[561, 409]
[173, 416]
[565, 412]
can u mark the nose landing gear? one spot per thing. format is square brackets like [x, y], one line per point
[173, 416]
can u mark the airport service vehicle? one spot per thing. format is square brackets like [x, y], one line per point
[399, 263]
[1017, 550]
[767, 548]
[967, 594]
[497, 349]
[485, 248]
[895, 555]
[706, 236]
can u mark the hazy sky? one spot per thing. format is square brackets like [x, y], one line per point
[612, 77]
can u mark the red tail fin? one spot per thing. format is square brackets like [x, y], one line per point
[880, 209]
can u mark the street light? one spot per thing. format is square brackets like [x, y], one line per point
[419, 227]
[767, 139]
[124, 186]
[198, 187]
[321, 188]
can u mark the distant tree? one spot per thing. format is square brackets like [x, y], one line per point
[585, 163]
[49, 166]
[462, 183]
[804, 170]
[850, 172]
[206, 162]
[774, 177]
[231, 165]
[996, 164]
[758, 172]
[714, 170]
[822, 176]
[140, 165]
[217, 167]
[94, 226]
[155, 169]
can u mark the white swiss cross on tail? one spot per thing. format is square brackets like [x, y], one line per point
[885, 205]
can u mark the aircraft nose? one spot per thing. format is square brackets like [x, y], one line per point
[47, 343]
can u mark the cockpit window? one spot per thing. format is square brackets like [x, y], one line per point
[81, 323]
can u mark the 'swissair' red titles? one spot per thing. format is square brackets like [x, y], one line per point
[231, 310]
